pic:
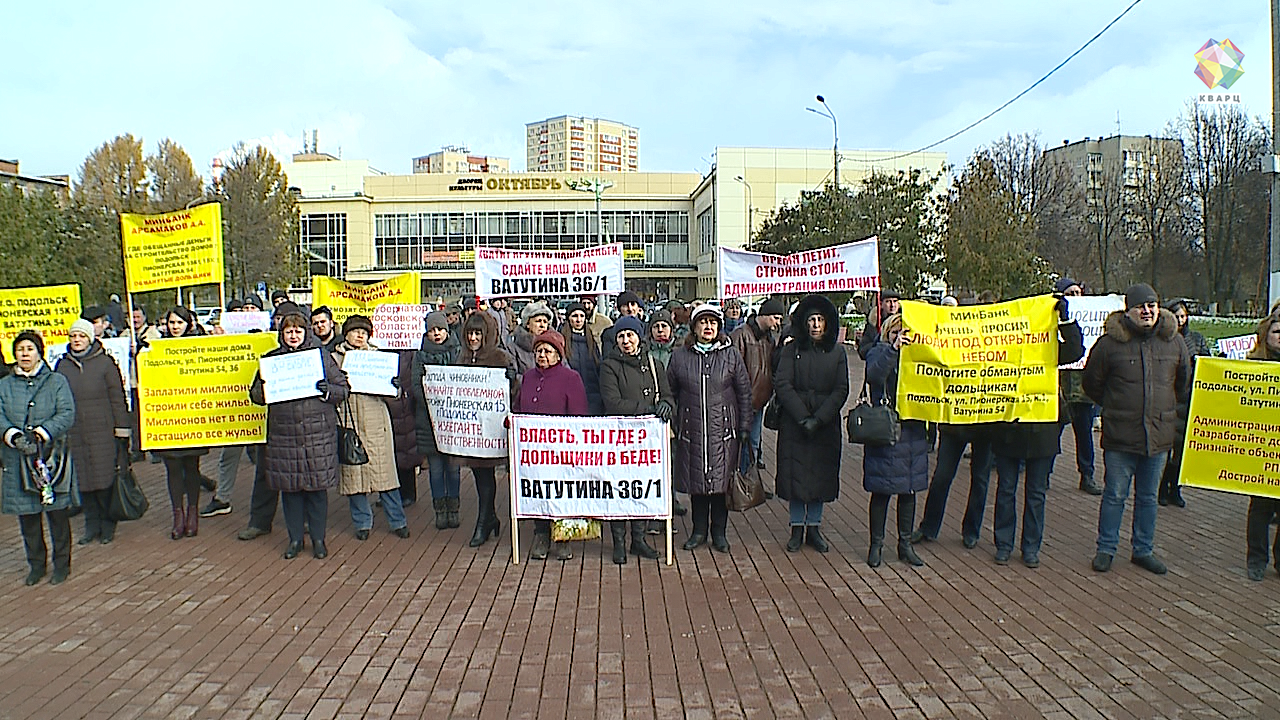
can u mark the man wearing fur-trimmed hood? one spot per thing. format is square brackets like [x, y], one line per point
[1139, 371]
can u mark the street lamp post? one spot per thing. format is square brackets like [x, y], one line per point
[751, 226]
[835, 139]
[597, 187]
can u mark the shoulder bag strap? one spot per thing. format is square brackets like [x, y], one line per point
[657, 389]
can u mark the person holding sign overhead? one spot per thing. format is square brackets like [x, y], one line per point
[372, 422]
[36, 407]
[100, 436]
[182, 466]
[900, 469]
[550, 388]
[1262, 510]
[301, 454]
[713, 399]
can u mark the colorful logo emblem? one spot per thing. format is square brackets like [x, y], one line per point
[1218, 64]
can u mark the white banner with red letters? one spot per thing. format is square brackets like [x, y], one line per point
[468, 406]
[842, 268]
[399, 327]
[590, 467]
[539, 273]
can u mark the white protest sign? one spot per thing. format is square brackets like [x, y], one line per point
[468, 406]
[513, 273]
[842, 268]
[291, 376]
[597, 467]
[116, 347]
[1237, 347]
[400, 327]
[238, 322]
[370, 371]
[1091, 312]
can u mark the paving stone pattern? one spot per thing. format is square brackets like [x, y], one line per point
[213, 627]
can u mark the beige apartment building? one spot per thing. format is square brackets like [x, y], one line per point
[458, 159]
[576, 144]
[367, 227]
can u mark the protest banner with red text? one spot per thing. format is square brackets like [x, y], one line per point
[518, 273]
[590, 467]
[468, 406]
[842, 268]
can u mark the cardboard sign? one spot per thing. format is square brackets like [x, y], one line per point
[468, 406]
[516, 273]
[842, 268]
[1091, 313]
[400, 327]
[240, 322]
[345, 299]
[1236, 348]
[370, 371]
[1233, 427]
[291, 376]
[174, 249]
[49, 310]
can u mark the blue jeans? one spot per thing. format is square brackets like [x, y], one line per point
[803, 513]
[757, 427]
[1121, 468]
[1082, 415]
[444, 476]
[362, 514]
[1006, 514]
[950, 450]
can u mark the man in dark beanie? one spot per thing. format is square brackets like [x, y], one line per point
[324, 328]
[755, 341]
[890, 303]
[1139, 371]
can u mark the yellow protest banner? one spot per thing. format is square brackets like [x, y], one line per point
[49, 310]
[344, 298]
[194, 391]
[1233, 427]
[985, 363]
[173, 249]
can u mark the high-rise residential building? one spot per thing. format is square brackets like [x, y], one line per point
[577, 144]
[458, 159]
[1128, 159]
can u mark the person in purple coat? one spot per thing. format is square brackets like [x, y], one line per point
[550, 387]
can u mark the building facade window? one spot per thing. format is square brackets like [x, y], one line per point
[323, 243]
[404, 241]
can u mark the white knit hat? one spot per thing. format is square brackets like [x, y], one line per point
[705, 309]
[82, 326]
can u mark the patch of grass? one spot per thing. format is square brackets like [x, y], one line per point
[1214, 328]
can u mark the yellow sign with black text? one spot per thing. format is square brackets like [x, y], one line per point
[345, 299]
[1233, 427]
[175, 249]
[194, 391]
[977, 364]
[49, 310]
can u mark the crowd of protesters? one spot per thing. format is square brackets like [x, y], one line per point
[709, 371]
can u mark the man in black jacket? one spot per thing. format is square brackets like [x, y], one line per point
[1139, 372]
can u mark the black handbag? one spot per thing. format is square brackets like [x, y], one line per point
[871, 423]
[350, 449]
[128, 502]
[772, 413]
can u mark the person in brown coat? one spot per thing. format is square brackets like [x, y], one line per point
[480, 348]
[755, 340]
[713, 417]
[100, 438]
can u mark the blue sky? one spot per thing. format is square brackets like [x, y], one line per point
[388, 80]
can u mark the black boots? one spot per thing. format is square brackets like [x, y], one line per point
[701, 522]
[541, 540]
[797, 538]
[906, 519]
[442, 513]
[719, 523]
[879, 515]
[813, 538]
[487, 523]
[639, 547]
[618, 529]
[451, 505]
[92, 522]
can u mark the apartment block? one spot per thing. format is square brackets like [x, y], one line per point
[458, 159]
[576, 144]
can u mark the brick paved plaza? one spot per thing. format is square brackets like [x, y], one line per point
[213, 627]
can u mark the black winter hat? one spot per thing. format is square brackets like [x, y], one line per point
[1139, 294]
[772, 306]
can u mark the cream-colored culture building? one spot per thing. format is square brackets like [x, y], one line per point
[358, 224]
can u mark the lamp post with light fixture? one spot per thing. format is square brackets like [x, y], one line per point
[835, 141]
[751, 225]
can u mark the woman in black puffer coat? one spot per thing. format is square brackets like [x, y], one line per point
[404, 430]
[301, 454]
[900, 469]
[100, 438]
[713, 399]
[811, 384]
[633, 383]
[583, 354]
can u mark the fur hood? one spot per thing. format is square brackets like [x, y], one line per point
[809, 305]
[490, 353]
[1121, 329]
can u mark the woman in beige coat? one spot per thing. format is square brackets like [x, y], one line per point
[372, 423]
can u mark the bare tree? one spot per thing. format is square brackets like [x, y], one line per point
[1159, 203]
